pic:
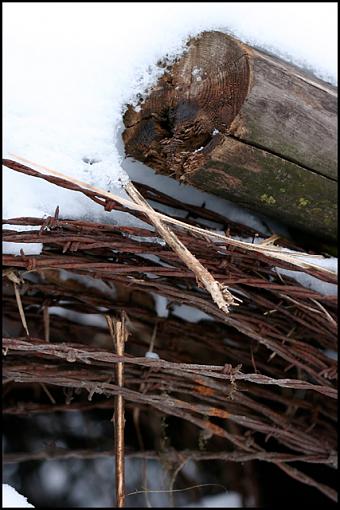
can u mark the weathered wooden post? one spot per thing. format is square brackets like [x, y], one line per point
[247, 126]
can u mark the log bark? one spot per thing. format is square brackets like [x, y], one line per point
[244, 125]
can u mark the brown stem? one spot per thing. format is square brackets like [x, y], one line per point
[120, 334]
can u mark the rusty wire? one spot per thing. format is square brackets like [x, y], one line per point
[285, 389]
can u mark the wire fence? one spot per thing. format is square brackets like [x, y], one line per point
[259, 377]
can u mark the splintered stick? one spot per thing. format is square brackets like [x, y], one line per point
[219, 292]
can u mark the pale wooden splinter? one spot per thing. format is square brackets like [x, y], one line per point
[219, 292]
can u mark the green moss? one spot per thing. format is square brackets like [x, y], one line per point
[324, 162]
[268, 199]
[302, 202]
[278, 188]
[330, 249]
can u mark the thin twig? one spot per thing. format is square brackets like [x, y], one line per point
[173, 480]
[48, 393]
[120, 334]
[136, 416]
[20, 308]
[46, 323]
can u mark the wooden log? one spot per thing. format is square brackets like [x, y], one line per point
[244, 125]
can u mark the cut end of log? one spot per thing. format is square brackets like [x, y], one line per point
[192, 105]
[246, 126]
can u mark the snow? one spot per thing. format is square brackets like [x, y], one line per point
[310, 282]
[27, 248]
[189, 313]
[161, 305]
[330, 263]
[152, 355]
[12, 499]
[331, 354]
[227, 500]
[86, 319]
[70, 69]
[54, 476]
[88, 281]
[197, 75]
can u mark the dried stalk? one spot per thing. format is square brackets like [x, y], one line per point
[219, 292]
[20, 308]
[120, 336]
[46, 323]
